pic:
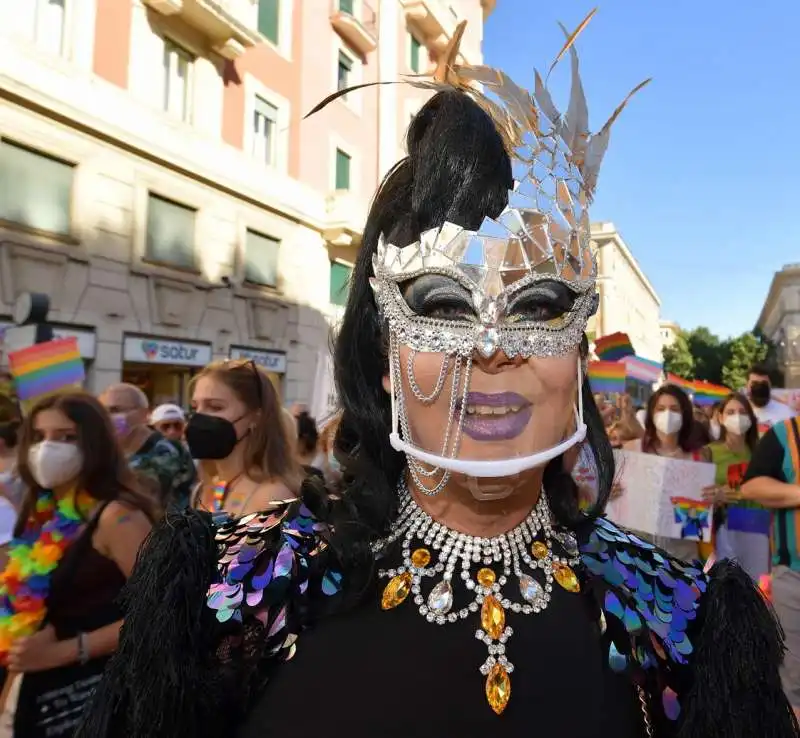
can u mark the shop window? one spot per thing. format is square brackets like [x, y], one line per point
[261, 259]
[346, 6]
[178, 65]
[269, 13]
[414, 53]
[343, 162]
[340, 283]
[170, 233]
[265, 132]
[344, 72]
[35, 189]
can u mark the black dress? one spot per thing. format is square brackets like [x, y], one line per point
[83, 597]
[393, 674]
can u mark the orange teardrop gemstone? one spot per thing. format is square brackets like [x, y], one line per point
[396, 591]
[498, 688]
[421, 558]
[567, 578]
[493, 617]
[539, 550]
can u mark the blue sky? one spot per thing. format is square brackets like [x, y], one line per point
[701, 177]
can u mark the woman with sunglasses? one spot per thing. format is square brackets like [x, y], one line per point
[237, 433]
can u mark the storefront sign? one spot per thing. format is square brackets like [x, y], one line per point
[87, 341]
[272, 361]
[150, 350]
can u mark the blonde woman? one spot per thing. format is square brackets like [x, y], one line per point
[242, 438]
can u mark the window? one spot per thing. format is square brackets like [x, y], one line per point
[346, 6]
[340, 283]
[177, 80]
[345, 68]
[269, 19]
[343, 161]
[265, 132]
[170, 232]
[414, 53]
[261, 259]
[35, 190]
[41, 21]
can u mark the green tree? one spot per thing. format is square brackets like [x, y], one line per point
[743, 352]
[678, 358]
[710, 354]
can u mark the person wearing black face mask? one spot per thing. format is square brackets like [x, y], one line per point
[768, 411]
[237, 433]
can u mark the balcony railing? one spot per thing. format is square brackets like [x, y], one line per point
[228, 24]
[357, 23]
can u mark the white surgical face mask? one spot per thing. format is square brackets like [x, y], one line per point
[53, 463]
[480, 468]
[641, 416]
[668, 421]
[737, 424]
[714, 430]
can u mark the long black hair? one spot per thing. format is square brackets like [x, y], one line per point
[457, 170]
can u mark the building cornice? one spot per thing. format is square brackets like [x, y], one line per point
[790, 274]
[602, 233]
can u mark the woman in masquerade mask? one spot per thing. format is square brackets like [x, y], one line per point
[79, 530]
[472, 596]
[239, 433]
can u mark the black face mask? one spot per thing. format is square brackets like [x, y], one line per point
[210, 437]
[760, 393]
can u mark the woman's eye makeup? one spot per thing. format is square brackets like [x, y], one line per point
[439, 297]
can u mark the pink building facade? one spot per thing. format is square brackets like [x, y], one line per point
[158, 181]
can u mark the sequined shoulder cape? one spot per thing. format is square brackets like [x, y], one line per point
[214, 607]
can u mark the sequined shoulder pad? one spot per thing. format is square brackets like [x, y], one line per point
[267, 559]
[649, 600]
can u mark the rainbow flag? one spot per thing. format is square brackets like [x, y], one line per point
[613, 347]
[685, 384]
[607, 377]
[706, 393]
[692, 515]
[44, 368]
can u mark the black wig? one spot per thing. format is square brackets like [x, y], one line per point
[457, 170]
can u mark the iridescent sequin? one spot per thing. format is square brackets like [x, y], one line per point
[654, 597]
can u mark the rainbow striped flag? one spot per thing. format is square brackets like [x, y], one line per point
[45, 368]
[706, 393]
[607, 377]
[613, 347]
[685, 384]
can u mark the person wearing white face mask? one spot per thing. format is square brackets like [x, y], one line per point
[668, 431]
[741, 527]
[80, 526]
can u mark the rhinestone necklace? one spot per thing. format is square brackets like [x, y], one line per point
[531, 556]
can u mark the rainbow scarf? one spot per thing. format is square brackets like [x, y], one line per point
[32, 559]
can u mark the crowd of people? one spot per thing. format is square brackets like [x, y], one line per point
[435, 561]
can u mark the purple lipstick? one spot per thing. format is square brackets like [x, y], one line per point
[496, 417]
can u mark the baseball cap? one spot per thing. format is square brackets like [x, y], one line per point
[167, 412]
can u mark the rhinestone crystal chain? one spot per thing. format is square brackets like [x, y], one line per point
[525, 556]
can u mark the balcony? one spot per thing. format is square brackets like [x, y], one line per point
[432, 20]
[357, 23]
[346, 215]
[226, 23]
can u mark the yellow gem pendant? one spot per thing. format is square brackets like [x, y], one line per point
[396, 591]
[567, 578]
[498, 688]
[493, 617]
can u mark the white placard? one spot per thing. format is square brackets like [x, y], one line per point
[272, 361]
[662, 497]
[151, 350]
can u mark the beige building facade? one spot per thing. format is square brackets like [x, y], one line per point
[780, 321]
[158, 181]
[628, 301]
